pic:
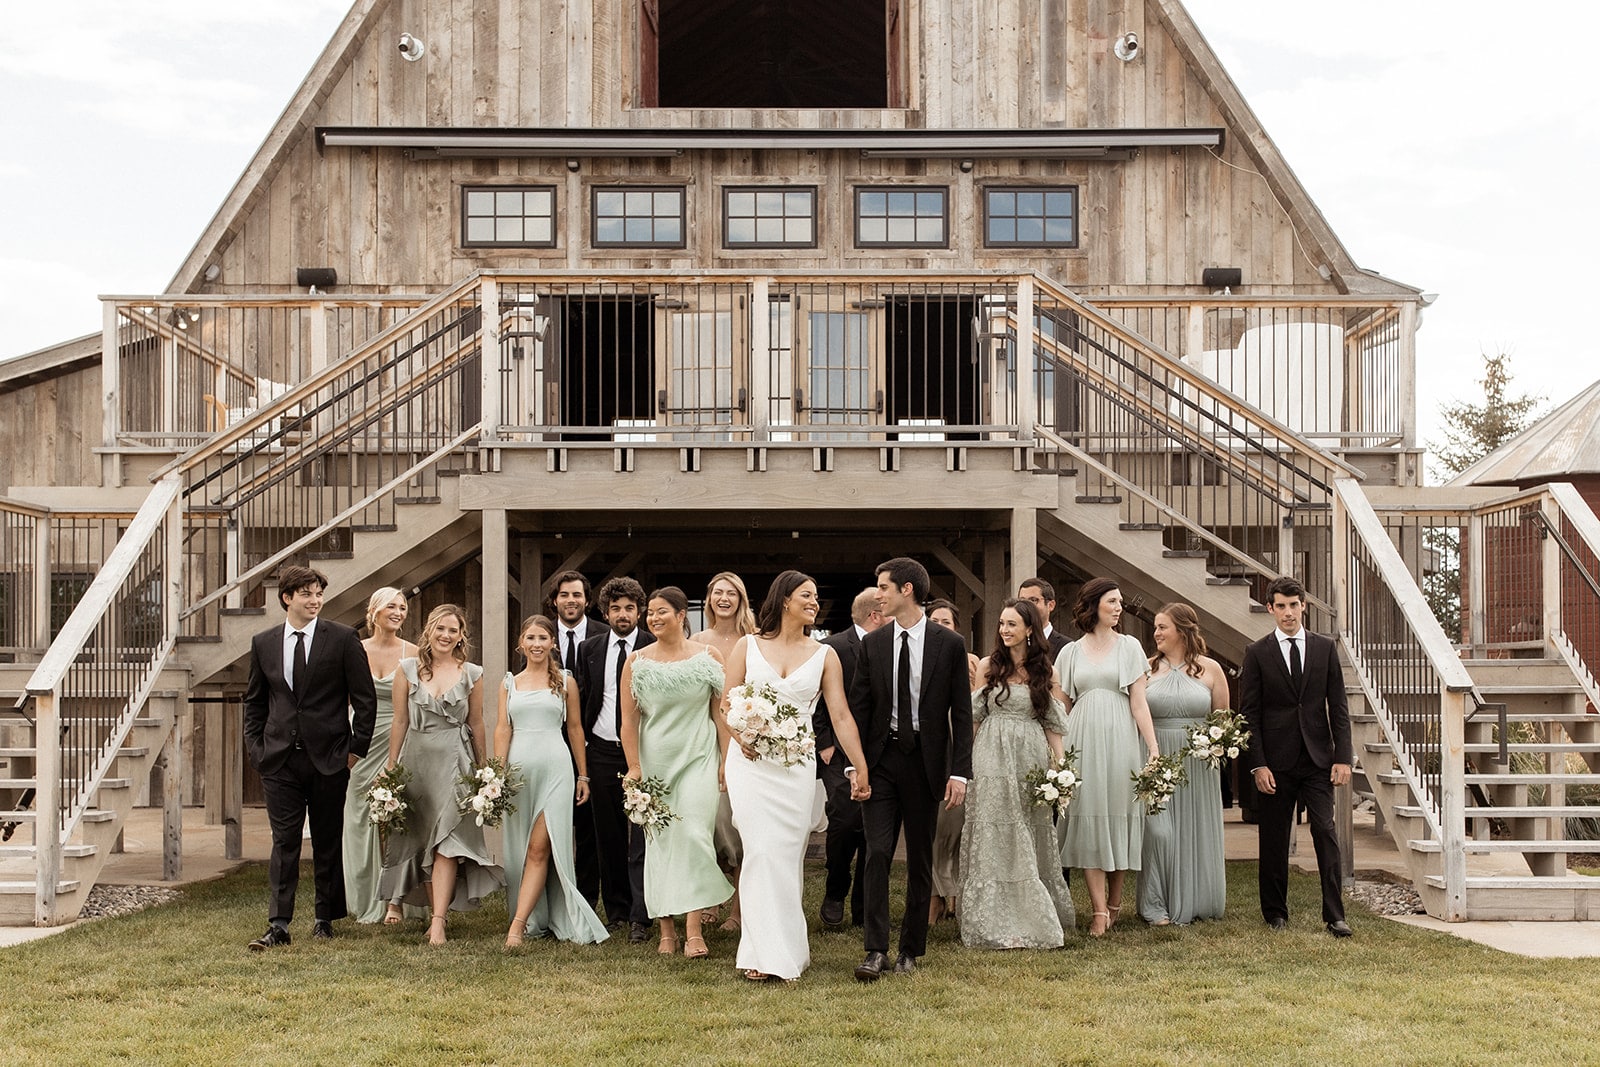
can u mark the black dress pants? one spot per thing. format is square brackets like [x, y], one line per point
[901, 796]
[846, 844]
[294, 791]
[619, 844]
[1308, 785]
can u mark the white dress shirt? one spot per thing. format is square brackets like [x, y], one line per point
[309, 629]
[919, 634]
[605, 727]
[578, 632]
[1283, 647]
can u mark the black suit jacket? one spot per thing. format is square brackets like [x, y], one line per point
[593, 660]
[848, 645]
[1284, 723]
[334, 713]
[1057, 641]
[944, 707]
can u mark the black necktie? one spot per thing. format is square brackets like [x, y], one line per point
[297, 683]
[572, 650]
[905, 730]
[622, 654]
[1296, 671]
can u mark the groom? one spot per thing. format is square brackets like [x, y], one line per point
[912, 706]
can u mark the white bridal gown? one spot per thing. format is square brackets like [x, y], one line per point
[772, 811]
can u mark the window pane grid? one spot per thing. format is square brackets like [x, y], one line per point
[639, 217]
[769, 217]
[902, 217]
[508, 216]
[1038, 217]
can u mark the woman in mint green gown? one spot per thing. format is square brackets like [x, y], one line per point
[363, 852]
[536, 705]
[1183, 876]
[670, 695]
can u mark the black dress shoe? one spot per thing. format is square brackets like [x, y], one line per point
[870, 968]
[275, 936]
[905, 964]
[638, 933]
[833, 914]
[1341, 929]
[1277, 924]
[322, 930]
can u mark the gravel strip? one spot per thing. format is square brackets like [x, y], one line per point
[1387, 898]
[108, 900]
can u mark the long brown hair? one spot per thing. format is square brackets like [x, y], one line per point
[1186, 621]
[769, 623]
[425, 646]
[552, 663]
[1036, 665]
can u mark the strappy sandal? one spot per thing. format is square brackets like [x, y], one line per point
[758, 976]
[730, 925]
[1095, 915]
[669, 945]
[443, 922]
[695, 948]
[1115, 911]
[393, 916]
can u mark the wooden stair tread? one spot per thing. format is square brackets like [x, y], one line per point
[1471, 845]
[1532, 779]
[1563, 882]
[67, 851]
[24, 751]
[1533, 746]
[1097, 500]
[66, 885]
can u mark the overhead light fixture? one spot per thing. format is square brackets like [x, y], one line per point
[1127, 47]
[411, 48]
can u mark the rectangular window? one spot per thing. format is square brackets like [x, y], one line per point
[769, 218]
[1033, 217]
[902, 217]
[521, 216]
[635, 217]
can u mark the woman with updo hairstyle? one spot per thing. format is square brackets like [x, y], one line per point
[440, 858]
[1183, 876]
[1102, 677]
[363, 851]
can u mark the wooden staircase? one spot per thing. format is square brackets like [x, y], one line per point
[1518, 842]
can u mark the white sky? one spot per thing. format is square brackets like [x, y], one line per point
[1450, 143]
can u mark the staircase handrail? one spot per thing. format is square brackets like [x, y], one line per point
[1444, 805]
[1244, 559]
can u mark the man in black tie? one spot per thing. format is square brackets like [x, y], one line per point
[1042, 595]
[1291, 691]
[309, 710]
[913, 708]
[619, 843]
[569, 606]
[845, 843]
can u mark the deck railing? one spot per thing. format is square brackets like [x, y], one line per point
[97, 676]
[24, 579]
[1413, 679]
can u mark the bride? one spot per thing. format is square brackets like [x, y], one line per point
[772, 803]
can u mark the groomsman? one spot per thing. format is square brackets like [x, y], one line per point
[1042, 595]
[309, 709]
[1291, 691]
[845, 843]
[619, 843]
[569, 606]
[912, 705]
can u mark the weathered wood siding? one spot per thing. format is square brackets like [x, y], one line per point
[49, 431]
[386, 222]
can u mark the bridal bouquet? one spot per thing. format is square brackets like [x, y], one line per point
[1055, 783]
[489, 789]
[1160, 779]
[386, 801]
[643, 803]
[777, 730]
[1224, 733]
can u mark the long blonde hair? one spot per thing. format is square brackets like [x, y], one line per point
[744, 620]
[379, 600]
[553, 673]
[425, 646]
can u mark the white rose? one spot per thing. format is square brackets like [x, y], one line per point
[1233, 753]
[480, 803]
[1215, 731]
[492, 790]
[1068, 779]
[1049, 792]
[787, 728]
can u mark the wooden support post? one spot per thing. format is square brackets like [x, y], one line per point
[233, 780]
[215, 763]
[760, 356]
[995, 589]
[1339, 595]
[172, 788]
[1344, 802]
[1476, 562]
[1194, 334]
[1024, 545]
[496, 624]
[42, 562]
[1452, 803]
[47, 805]
[531, 553]
[1027, 406]
[1554, 624]
[110, 396]
[170, 392]
[1407, 400]
[489, 357]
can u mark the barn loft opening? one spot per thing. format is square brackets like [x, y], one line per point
[771, 54]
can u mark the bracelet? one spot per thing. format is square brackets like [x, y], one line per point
[583, 777]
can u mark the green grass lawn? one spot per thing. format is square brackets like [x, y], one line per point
[175, 985]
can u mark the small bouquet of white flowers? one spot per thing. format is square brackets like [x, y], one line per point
[386, 801]
[643, 802]
[1160, 779]
[489, 789]
[776, 730]
[1055, 784]
[1224, 734]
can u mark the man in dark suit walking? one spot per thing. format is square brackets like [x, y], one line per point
[912, 706]
[1042, 595]
[845, 843]
[618, 843]
[308, 716]
[1292, 693]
